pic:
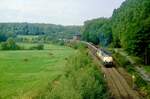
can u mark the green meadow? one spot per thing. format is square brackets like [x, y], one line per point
[26, 73]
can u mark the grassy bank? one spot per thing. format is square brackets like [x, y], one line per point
[81, 80]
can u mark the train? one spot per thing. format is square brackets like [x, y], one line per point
[105, 57]
[102, 54]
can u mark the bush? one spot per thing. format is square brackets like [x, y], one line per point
[77, 45]
[10, 44]
[58, 42]
[40, 47]
[37, 47]
[4, 46]
[121, 61]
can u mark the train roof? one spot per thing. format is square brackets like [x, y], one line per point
[105, 51]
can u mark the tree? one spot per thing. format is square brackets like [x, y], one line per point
[131, 27]
[9, 45]
[94, 29]
[51, 30]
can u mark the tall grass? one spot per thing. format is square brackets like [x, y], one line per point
[81, 80]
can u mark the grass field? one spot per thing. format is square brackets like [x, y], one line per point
[46, 46]
[26, 73]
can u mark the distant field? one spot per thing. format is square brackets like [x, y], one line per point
[26, 73]
[46, 46]
[26, 36]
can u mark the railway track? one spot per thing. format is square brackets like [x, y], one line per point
[117, 84]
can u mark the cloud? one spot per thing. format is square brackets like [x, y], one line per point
[56, 11]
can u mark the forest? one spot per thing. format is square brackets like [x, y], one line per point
[127, 28]
[51, 31]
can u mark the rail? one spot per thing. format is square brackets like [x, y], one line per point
[117, 84]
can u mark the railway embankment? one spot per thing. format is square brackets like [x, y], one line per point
[81, 79]
[137, 65]
[116, 82]
[133, 68]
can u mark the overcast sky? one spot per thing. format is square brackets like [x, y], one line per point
[65, 12]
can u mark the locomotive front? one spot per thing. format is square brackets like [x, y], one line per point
[107, 60]
[105, 57]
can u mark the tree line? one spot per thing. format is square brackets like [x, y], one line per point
[51, 31]
[128, 28]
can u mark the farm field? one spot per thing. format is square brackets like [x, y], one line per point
[46, 46]
[25, 73]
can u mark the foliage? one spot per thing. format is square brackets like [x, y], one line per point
[147, 69]
[131, 26]
[121, 61]
[97, 31]
[37, 47]
[46, 31]
[105, 34]
[142, 86]
[58, 42]
[3, 37]
[81, 80]
[10, 44]
[76, 45]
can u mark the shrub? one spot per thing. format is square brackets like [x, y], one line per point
[121, 61]
[78, 45]
[37, 47]
[10, 44]
[40, 46]
[4, 46]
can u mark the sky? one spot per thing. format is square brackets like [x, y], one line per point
[64, 12]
